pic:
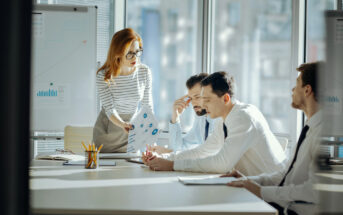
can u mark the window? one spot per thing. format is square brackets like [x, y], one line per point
[171, 36]
[252, 41]
[315, 47]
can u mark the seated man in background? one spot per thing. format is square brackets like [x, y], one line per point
[202, 125]
[242, 139]
[291, 189]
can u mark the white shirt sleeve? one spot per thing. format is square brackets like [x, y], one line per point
[240, 137]
[192, 137]
[147, 97]
[290, 193]
[209, 147]
[270, 179]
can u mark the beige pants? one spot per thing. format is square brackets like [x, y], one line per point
[113, 137]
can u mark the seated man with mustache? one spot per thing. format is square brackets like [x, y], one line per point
[202, 126]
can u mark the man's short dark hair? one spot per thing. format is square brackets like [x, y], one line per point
[195, 79]
[221, 83]
[309, 72]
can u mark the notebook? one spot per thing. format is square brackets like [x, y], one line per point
[209, 180]
[82, 163]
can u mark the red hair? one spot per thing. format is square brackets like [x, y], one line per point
[120, 42]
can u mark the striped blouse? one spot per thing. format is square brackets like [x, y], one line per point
[123, 94]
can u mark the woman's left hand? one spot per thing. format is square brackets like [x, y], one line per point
[127, 127]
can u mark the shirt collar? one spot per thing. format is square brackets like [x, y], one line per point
[315, 119]
[232, 112]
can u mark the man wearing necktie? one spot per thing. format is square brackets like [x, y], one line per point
[291, 189]
[202, 126]
[241, 139]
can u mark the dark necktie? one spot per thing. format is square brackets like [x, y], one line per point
[225, 131]
[301, 139]
[206, 129]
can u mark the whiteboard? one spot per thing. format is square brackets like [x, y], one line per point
[63, 90]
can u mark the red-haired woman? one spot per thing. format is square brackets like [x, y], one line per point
[122, 83]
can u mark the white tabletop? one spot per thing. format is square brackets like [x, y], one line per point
[130, 188]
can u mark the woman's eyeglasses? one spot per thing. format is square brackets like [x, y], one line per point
[130, 55]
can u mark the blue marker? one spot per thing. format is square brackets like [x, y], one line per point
[150, 125]
[142, 125]
[145, 115]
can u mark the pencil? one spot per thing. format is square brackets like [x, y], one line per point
[100, 147]
[84, 145]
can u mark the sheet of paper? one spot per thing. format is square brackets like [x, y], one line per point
[145, 130]
[212, 180]
[64, 157]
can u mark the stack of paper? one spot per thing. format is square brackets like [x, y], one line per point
[209, 180]
[63, 157]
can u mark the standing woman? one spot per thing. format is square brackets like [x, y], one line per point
[122, 83]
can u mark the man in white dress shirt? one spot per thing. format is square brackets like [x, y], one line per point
[242, 139]
[291, 189]
[202, 126]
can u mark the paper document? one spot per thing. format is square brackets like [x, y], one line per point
[145, 130]
[209, 180]
[63, 157]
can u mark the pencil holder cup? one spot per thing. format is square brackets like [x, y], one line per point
[92, 159]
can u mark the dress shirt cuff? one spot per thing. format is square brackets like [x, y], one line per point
[168, 156]
[268, 193]
[177, 123]
[256, 179]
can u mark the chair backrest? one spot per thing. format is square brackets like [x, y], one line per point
[283, 142]
[74, 135]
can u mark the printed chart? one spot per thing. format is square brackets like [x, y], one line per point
[144, 131]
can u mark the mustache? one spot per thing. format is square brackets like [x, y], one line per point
[196, 107]
[202, 112]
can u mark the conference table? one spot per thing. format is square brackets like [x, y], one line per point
[131, 188]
